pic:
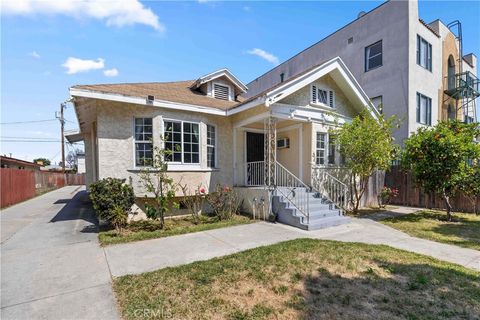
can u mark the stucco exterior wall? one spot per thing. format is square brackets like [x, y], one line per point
[389, 23]
[116, 145]
[420, 79]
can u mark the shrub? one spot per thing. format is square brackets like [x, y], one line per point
[224, 202]
[386, 196]
[194, 201]
[112, 200]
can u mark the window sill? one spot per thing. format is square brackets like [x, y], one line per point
[322, 106]
[178, 168]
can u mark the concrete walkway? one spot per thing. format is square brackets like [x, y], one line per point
[149, 255]
[51, 264]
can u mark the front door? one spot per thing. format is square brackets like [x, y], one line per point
[255, 170]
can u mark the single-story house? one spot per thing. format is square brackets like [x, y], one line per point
[275, 146]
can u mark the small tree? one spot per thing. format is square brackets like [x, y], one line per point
[156, 181]
[367, 145]
[441, 158]
[471, 186]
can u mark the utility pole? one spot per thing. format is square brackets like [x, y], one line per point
[62, 129]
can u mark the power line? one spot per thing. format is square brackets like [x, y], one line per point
[31, 121]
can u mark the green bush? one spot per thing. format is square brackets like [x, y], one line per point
[112, 200]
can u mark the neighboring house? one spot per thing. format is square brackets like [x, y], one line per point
[415, 70]
[278, 138]
[13, 163]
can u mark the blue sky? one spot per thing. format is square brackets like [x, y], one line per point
[157, 41]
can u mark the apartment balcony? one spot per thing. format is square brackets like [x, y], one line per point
[463, 85]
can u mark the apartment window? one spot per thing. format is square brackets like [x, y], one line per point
[424, 53]
[211, 144]
[424, 109]
[320, 150]
[143, 142]
[331, 149]
[373, 56]
[220, 92]
[468, 119]
[378, 103]
[323, 96]
[182, 141]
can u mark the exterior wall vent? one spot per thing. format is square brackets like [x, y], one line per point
[150, 99]
[350, 40]
[220, 92]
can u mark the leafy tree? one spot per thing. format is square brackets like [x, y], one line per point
[112, 200]
[441, 158]
[156, 181]
[470, 186]
[42, 161]
[366, 145]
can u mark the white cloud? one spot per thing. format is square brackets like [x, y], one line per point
[264, 55]
[34, 54]
[75, 65]
[114, 13]
[111, 72]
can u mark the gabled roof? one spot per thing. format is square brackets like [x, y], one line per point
[218, 74]
[178, 92]
[335, 67]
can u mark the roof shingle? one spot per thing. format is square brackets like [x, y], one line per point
[179, 92]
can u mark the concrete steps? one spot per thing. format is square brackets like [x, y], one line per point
[323, 214]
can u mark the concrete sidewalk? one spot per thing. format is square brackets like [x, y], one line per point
[52, 265]
[149, 255]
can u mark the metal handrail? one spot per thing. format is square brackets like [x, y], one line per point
[287, 180]
[255, 173]
[332, 188]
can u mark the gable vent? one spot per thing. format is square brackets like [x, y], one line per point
[220, 92]
[330, 100]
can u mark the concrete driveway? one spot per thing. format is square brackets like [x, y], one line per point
[52, 266]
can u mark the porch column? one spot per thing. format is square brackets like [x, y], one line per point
[270, 154]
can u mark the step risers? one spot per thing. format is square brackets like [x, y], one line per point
[322, 216]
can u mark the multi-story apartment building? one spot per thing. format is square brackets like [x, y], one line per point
[411, 68]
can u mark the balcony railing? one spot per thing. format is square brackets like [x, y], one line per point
[462, 85]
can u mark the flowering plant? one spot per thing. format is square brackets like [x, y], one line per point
[386, 196]
[194, 201]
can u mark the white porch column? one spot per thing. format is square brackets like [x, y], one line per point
[300, 151]
[234, 156]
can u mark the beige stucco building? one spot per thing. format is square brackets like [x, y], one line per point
[281, 137]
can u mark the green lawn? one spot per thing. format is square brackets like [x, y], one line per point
[305, 279]
[144, 230]
[464, 231]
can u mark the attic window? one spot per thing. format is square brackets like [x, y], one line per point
[220, 92]
[323, 96]
[282, 77]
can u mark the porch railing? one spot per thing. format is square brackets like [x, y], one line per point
[255, 173]
[293, 189]
[331, 187]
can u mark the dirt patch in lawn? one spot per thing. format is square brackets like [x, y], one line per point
[306, 279]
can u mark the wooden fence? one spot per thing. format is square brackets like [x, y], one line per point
[410, 195]
[19, 184]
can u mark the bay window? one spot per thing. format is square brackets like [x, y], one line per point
[182, 140]
[143, 142]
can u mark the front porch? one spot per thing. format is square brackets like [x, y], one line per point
[283, 160]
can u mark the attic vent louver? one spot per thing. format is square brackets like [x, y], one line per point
[150, 99]
[220, 92]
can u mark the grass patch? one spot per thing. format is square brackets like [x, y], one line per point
[305, 279]
[463, 231]
[144, 230]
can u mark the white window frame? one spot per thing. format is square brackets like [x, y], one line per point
[214, 145]
[230, 97]
[317, 102]
[135, 141]
[183, 163]
[317, 149]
